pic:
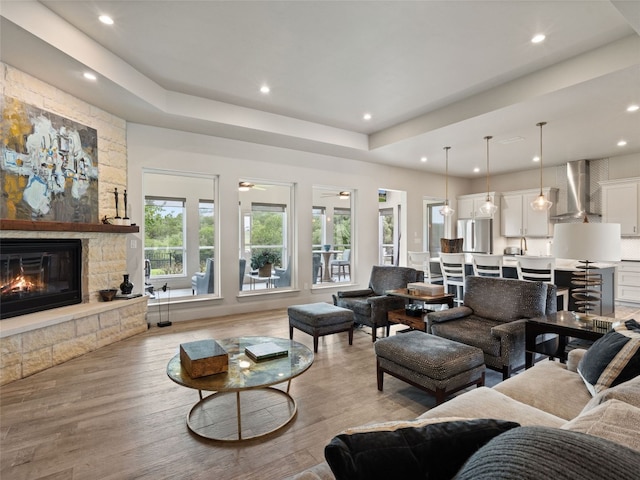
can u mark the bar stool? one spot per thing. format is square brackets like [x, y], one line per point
[452, 267]
[487, 265]
[541, 269]
[420, 261]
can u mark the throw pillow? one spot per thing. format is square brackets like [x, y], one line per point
[613, 358]
[614, 420]
[534, 453]
[628, 392]
[434, 451]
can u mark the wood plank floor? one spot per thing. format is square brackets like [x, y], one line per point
[114, 414]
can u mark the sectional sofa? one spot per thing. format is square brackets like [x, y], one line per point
[564, 428]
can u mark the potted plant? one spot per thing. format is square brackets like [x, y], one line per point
[263, 260]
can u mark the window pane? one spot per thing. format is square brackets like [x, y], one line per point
[164, 235]
[318, 233]
[206, 232]
[341, 228]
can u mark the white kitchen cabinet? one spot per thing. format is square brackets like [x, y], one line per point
[628, 280]
[621, 204]
[518, 219]
[469, 205]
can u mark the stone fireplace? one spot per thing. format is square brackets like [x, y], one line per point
[33, 342]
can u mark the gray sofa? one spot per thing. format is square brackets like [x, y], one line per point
[493, 318]
[550, 395]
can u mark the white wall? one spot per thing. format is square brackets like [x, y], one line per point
[231, 160]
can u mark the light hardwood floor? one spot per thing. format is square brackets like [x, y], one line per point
[114, 414]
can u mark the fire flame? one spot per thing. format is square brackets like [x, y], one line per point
[18, 284]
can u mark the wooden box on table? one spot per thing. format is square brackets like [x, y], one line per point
[203, 357]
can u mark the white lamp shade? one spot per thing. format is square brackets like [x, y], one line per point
[587, 241]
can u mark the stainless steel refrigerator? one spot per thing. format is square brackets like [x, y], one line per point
[477, 235]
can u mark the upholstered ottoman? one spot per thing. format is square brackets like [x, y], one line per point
[434, 364]
[319, 319]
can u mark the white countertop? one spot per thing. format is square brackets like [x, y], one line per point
[565, 264]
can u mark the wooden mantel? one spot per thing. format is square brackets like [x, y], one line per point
[28, 225]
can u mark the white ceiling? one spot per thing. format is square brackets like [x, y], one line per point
[432, 73]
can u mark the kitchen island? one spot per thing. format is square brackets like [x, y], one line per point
[563, 273]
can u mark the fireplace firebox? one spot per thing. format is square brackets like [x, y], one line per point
[39, 274]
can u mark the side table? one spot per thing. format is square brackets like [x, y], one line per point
[565, 325]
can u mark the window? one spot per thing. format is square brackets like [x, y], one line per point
[164, 247]
[180, 234]
[435, 222]
[331, 236]
[266, 223]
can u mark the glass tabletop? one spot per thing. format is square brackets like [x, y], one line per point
[243, 372]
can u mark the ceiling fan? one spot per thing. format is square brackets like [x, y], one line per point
[344, 195]
[246, 186]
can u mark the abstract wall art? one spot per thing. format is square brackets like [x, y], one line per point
[48, 166]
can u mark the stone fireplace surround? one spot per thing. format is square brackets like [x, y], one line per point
[34, 342]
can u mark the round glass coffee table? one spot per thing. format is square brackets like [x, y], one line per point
[212, 417]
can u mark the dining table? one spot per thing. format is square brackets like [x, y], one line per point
[326, 259]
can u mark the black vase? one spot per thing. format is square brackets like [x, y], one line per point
[126, 286]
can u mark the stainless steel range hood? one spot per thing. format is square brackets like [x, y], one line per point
[578, 192]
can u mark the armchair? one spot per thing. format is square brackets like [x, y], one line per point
[493, 318]
[317, 267]
[243, 267]
[202, 282]
[370, 306]
[284, 275]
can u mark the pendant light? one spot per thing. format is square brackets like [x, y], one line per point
[446, 210]
[540, 204]
[488, 207]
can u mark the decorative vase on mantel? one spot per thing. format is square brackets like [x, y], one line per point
[265, 270]
[126, 286]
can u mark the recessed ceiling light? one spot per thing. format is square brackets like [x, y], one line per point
[538, 38]
[633, 108]
[476, 170]
[265, 89]
[423, 159]
[536, 159]
[89, 76]
[622, 143]
[367, 116]
[106, 19]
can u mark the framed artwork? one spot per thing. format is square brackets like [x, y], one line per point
[48, 166]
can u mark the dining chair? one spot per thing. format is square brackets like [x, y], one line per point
[421, 261]
[487, 265]
[343, 264]
[453, 274]
[541, 269]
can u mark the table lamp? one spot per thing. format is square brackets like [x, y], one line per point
[587, 243]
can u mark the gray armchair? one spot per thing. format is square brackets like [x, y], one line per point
[370, 306]
[243, 266]
[317, 267]
[493, 318]
[202, 282]
[284, 275]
